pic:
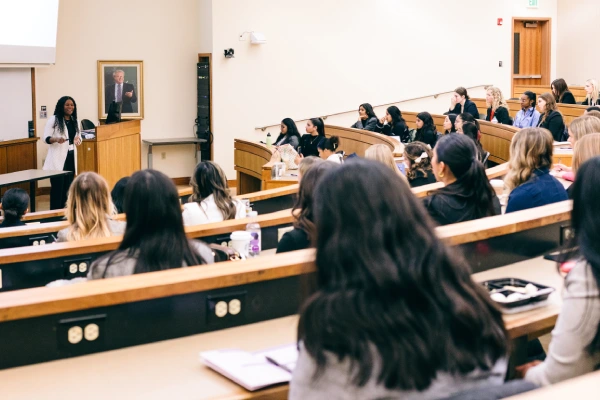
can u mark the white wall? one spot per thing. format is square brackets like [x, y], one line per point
[579, 58]
[322, 58]
[15, 102]
[162, 33]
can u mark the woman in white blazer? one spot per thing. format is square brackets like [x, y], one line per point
[211, 200]
[62, 135]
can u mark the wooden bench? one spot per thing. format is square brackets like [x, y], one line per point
[569, 111]
[578, 91]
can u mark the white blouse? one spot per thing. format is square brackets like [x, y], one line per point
[207, 211]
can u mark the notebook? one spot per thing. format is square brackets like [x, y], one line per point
[256, 370]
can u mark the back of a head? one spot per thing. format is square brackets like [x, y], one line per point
[209, 179]
[88, 205]
[592, 108]
[383, 154]
[15, 203]
[471, 130]
[377, 249]
[307, 163]
[331, 143]
[584, 125]
[593, 113]
[467, 117]
[531, 149]
[118, 194]
[586, 148]
[419, 156]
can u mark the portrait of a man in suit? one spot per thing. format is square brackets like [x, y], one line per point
[122, 92]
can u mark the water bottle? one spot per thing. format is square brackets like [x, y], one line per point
[254, 228]
[269, 140]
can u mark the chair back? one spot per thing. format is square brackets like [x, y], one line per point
[87, 124]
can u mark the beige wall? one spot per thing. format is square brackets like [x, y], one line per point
[164, 36]
[579, 59]
[322, 58]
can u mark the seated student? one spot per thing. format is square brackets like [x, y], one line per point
[575, 346]
[417, 159]
[367, 119]
[528, 116]
[289, 134]
[461, 103]
[449, 122]
[306, 164]
[118, 194]
[328, 150]
[529, 171]
[90, 210]
[579, 127]
[467, 194]
[583, 149]
[154, 239]
[592, 97]
[426, 130]
[15, 204]
[497, 108]
[593, 113]
[211, 200]
[300, 237]
[315, 132]
[395, 314]
[561, 92]
[551, 118]
[383, 154]
[471, 130]
[461, 119]
[393, 124]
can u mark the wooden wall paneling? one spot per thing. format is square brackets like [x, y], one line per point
[20, 157]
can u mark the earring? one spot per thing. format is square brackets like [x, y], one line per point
[441, 174]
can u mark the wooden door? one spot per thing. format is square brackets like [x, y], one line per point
[531, 53]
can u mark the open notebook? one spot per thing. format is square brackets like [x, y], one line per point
[256, 370]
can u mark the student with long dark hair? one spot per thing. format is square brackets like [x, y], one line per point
[211, 200]
[460, 102]
[467, 194]
[426, 130]
[393, 124]
[561, 92]
[367, 119]
[529, 176]
[329, 150]
[154, 239]
[118, 194]
[471, 130]
[304, 222]
[62, 136]
[289, 134]
[395, 313]
[449, 126]
[575, 346]
[417, 159]
[315, 132]
[461, 119]
[551, 118]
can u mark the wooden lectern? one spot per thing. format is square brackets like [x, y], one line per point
[114, 153]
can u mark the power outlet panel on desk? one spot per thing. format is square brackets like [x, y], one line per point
[81, 335]
[224, 308]
[77, 268]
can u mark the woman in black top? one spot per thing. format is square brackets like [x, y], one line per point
[497, 107]
[592, 94]
[467, 194]
[561, 92]
[300, 237]
[15, 204]
[315, 132]
[367, 119]
[393, 124]
[449, 122]
[289, 134]
[417, 159]
[426, 130]
[551, 118]
[461, 103]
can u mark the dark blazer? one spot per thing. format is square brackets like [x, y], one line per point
[421, 179]
[399, 129]
[470, 108]
[541, 189]
[368, 125]
[428, 137]
[109, 96]
[293, 240]
[501, 115]
[448, 209]
[308, 145]
[555, 124]
[567, 98]
[587, 103]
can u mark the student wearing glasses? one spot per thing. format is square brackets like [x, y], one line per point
[528, 116]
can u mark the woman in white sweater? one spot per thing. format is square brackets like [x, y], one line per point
[575, 346]
[211, 201]
[62, 135]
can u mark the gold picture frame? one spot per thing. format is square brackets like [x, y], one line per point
[130, 77]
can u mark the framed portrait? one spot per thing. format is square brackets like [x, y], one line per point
[122, 82]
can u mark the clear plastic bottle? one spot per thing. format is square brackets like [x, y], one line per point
[254, 228]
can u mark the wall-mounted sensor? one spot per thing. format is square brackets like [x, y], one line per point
[257, 38]
[229, 53]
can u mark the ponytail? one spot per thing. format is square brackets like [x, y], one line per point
[331, 144]
[319, 124]
[14, 203]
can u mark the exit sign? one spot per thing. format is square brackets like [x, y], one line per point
[532, 3]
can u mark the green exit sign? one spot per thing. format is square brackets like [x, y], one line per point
[532, 3]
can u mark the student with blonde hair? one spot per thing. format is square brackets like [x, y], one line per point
[591, 90]
[551, 118]
[497, 107]
[307, 163]
[211, 200]
[578, 129]
[90, 210]
[383, 154]
[529, 171]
